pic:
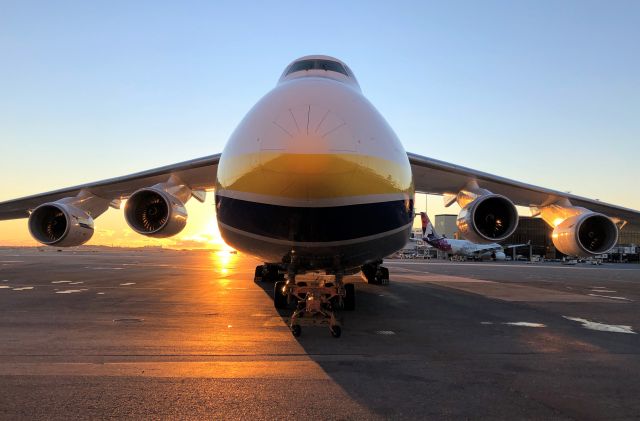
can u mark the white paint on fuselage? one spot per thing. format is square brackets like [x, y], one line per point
[356, 128]
[469, 249]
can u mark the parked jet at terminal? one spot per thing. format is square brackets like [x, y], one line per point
[314, 180]
[461, 248]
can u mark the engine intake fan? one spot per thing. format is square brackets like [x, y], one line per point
[59, 224]
[155, 213]
[488, 219]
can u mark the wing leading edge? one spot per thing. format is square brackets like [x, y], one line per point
[438, 177]
[198, 174]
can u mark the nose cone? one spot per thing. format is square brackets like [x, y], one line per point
[314, 143]
[309, 154]
[309, 129]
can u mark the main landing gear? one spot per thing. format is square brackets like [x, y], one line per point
[376, 274]
[316, 301]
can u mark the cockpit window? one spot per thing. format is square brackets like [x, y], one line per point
[317, 65]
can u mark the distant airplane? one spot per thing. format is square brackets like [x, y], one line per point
[462, 248]
[314, 179]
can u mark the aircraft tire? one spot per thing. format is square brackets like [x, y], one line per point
[336, 331]
[384, 279]
[272, 274]
[257, 276]
[279, 299]
[349, 301]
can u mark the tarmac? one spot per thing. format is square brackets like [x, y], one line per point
[189, 335]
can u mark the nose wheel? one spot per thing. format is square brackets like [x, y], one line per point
[336, 331]
[316, 302]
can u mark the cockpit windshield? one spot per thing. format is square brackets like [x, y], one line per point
[317, 64]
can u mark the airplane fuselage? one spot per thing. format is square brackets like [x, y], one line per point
[467, 248]
[314, 173]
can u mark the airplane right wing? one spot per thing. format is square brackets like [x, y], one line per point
[155, 203]
[197, 174]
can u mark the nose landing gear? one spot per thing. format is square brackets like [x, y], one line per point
[317, 302]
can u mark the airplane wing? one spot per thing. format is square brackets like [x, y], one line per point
[512, 246]
[483, 250]
[438, 177]
[198, 174]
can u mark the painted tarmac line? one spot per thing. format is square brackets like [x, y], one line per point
[588, 324]
[610, 297]
[71, 291]
[518, 324]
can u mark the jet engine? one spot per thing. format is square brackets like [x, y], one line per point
[488, 219]
[60, 224]
[155, 213]
[586, 234]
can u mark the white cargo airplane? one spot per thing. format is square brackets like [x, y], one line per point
[462, 248]
[314, 180]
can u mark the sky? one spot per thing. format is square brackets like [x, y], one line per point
[546, 92]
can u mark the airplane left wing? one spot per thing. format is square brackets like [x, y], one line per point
[581, 226]
[197, 174]
[439, 177]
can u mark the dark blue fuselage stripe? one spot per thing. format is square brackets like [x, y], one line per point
[302, 224]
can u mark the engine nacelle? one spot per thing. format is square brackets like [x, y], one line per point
[488, 219]
[155, 213]
[586, 234]
[61, 225]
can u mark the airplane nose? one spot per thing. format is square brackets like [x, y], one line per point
[310, 154]
[311, 129]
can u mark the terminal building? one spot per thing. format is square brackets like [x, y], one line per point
[539, 233]
[446, 225]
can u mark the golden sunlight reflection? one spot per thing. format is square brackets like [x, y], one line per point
[224, 261]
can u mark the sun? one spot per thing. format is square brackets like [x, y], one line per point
[212, 232]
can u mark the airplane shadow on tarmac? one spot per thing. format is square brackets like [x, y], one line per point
[416, 350]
